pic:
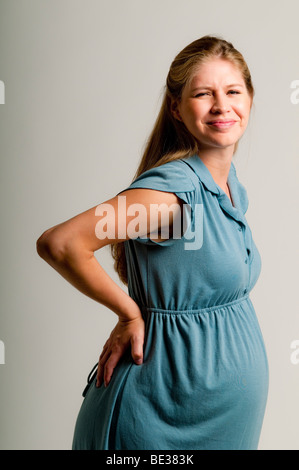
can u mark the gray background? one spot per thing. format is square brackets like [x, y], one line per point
[83, 83]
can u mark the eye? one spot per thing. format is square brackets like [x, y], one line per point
[201, 94]
[234, 92]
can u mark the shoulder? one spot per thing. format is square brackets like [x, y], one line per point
[171, 176]
[240, 189]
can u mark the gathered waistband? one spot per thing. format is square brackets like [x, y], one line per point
[193, 311]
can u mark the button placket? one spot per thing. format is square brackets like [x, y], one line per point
[247, 261]
[243, 229]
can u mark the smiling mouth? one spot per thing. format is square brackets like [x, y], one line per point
[222, 124]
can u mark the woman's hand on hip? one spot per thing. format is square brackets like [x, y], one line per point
[126, 333]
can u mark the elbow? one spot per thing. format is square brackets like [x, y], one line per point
[42, 245]
[49, 247]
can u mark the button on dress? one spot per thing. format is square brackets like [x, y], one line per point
[203, 383]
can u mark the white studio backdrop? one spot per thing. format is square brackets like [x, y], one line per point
[81, 84]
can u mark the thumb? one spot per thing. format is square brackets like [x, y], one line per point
[137, 350]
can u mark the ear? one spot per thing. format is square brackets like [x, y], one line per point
[174, 107]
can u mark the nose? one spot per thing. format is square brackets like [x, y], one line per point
[220, 104]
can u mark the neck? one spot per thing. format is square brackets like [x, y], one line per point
[218, 162]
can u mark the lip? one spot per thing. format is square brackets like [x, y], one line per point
[222, 124]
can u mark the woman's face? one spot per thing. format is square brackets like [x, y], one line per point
[215, 105]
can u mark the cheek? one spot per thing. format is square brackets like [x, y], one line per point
[192, 114]
[243, 110]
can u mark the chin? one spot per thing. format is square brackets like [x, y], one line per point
[225, 144]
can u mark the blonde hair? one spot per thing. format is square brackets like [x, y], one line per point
[170, 139]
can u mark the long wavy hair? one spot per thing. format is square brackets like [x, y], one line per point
[170, 139]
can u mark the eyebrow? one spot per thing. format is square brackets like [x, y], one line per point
[210, 88]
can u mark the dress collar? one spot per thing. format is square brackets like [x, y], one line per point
[237, 190]
[238, 193]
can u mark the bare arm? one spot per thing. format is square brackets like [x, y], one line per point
[69, 248]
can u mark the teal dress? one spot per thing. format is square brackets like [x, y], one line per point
[204, 381]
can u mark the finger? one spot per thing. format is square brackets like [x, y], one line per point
[111, 364]
[137, 349]
[104, 350]
[100, 372]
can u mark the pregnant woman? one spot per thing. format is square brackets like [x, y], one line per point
[185, 366]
